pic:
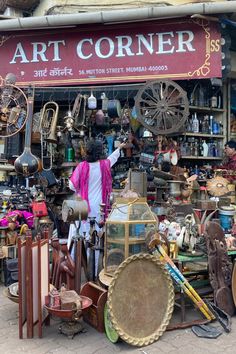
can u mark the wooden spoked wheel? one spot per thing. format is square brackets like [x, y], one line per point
[13, 109]
[162, 107]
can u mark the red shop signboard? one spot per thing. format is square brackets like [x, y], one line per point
[185, 49]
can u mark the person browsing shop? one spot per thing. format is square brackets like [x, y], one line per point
[92, 181]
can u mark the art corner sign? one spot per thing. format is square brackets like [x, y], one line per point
[137, 52]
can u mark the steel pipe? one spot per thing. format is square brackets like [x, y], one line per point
[117, 16]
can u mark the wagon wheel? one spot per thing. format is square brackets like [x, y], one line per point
[13, 109]
[162, 107]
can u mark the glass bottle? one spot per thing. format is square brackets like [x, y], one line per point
[221, 128]
[196, 152]
[214, 101]
[211, 125]
[195, 125]
[205, 148]
[200, 148]
[215, 127]
[69, 151]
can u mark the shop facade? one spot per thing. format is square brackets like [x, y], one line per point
[129, 81]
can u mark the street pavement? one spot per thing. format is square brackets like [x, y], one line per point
[179, 341]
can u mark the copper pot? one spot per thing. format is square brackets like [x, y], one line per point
[99, 117]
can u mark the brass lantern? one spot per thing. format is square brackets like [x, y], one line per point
[125, 230]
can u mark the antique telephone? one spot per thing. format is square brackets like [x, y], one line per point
[27, 164]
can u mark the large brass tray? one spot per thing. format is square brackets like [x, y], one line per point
[233, 282]
[141, 299]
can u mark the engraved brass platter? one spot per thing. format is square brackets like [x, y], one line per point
[233, 282]
[140, 299]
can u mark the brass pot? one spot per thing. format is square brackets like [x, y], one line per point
[74, 209]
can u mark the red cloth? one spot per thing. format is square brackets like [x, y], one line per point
[18, 214]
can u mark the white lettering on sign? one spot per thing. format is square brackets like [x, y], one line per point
[61, 72]
[79, 48]
[186, 42]
[143, 41]
[55, 45]
[39, 49]
[163, 43]
[40, 73]
[39, 52]
[98, 47]
[53, 72]
[106, 47]
[19, 53]
[124, 47]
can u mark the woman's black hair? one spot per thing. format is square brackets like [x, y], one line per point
[231, 144]
[94, 150]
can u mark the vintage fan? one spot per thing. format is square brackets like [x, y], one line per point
[13, 109]
[162, 106]
[217, 186]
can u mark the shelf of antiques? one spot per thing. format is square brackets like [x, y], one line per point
[164, 183]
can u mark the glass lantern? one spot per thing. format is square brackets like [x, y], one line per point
[125, 229]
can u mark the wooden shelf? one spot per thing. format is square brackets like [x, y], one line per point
[206, 109]
[201, 157]
[121, 241]
[201, 135]
[65, 165]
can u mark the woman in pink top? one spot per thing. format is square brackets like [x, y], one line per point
[93, 182]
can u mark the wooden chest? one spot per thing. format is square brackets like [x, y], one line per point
[94, 315]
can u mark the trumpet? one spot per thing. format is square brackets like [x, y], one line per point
[48, 127]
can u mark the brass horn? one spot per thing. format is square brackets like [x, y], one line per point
[48, 127]
[48, 122]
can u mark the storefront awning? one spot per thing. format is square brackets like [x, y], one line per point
[118, 16]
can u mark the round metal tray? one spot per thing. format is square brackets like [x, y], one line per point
[141, 299]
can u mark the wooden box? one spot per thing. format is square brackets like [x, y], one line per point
[205, 204]
[137, 181]
[70, 300]
[94, 315]
[9, 251]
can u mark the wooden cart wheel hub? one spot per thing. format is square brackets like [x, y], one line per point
[162, 106]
